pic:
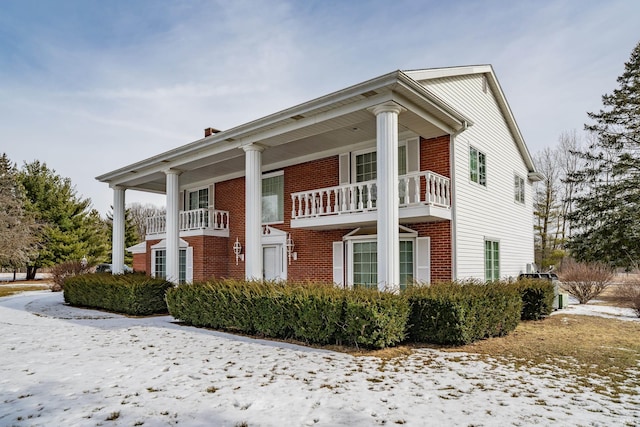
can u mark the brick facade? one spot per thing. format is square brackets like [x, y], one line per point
[214, 256]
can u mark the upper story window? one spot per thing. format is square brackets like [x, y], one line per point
[198, 199]
[273, 197]
[366, 164]
[477, 166]
[518, 188]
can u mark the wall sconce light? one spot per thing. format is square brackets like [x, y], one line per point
[237, 249]
[290, 246]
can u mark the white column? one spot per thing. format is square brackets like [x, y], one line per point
[388, 196]
[253, 212]
[117, 247]
[173, 229]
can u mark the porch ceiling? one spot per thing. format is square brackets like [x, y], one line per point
[298, 132]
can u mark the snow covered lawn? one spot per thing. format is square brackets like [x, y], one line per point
[63, 366]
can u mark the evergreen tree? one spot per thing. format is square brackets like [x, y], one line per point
[17, 227]
[607, 214]
[70, 230]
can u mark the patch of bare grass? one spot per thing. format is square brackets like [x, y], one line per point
[588, 347]
[6, 290]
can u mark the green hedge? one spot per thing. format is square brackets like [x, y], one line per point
[537, 298]
[460, 313]
[134, 294]
[312, 313]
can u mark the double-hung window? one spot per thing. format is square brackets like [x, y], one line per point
[198, 199]
[366, 169]
[273, 198]
[491, 260]
[365, 264]
[518, 188]
[477, 166]
[160, 267]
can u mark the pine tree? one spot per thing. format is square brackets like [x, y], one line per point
[607, 215]
[17, 227]
[70, 230]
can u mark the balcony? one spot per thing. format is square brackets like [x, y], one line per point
[424, 196]
[192, 223]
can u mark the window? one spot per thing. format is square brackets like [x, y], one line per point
[477, 166]
[273, 198]
[160, 267]
[519, 188]
[406, 263]
[365, 264]
[491, 260]
[198, 199]
[367, 164]
[161, 264]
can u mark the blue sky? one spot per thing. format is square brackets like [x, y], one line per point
[91, 86]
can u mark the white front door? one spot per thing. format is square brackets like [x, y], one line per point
[272, 262]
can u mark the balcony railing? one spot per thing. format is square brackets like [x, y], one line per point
[422, 188]
[198, 219]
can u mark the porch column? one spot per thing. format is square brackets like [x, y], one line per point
[117, 248]
[172, 226]
[253, 211]
[388, 196]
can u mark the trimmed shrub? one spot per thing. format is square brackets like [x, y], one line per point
[460, 313]
[313, 313]
[537, 298]
[134, 294]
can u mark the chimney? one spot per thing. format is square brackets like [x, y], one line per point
[210, 131]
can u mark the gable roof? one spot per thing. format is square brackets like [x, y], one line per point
[503, 104]
[428, 113]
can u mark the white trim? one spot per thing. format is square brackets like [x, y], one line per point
[272, 174]
[140, 248]
[338, 263]
[422, 252]
[273, 237]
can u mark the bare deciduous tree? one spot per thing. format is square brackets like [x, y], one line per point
[139, 214]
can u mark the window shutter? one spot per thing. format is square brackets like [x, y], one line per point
[189, 266]
[413, 166]
[211, 196]
[413, 155]
[338, 263]
[423, 260]
[181, 201]
[344, 167]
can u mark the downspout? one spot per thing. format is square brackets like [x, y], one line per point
[452, 162]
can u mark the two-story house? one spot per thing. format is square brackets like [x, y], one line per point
[414, 175]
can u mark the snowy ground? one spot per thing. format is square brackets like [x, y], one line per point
[62, 366]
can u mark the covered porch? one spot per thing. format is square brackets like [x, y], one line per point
[372, 113]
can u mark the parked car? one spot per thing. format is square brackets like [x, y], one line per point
[106, 268]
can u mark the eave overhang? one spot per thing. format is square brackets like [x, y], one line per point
[295, 123]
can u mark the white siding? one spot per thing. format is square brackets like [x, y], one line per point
[489, 212]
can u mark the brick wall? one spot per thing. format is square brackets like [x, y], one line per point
[140, 263]
[434, 155]
[440, 242]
